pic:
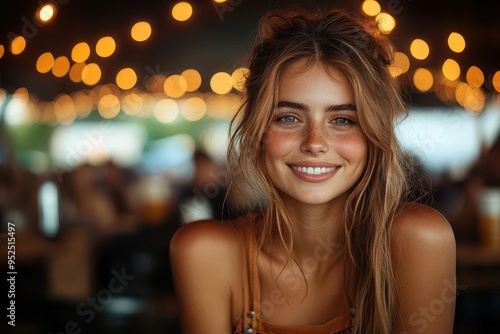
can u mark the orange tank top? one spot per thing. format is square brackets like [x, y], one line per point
[251, 323]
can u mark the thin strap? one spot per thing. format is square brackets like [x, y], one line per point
[247, 289]
[251, 289]
[254, 311]
[347, 305]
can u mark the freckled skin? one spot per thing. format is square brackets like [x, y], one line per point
[313, 134]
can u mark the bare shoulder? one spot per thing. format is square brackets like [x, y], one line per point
[424, 258]
[420, 224]
[207, 238]
[206, 259]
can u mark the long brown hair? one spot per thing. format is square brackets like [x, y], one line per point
[336, 39]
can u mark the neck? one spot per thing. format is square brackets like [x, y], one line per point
[317, 230]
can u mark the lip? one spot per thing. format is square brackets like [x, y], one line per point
[313, 178]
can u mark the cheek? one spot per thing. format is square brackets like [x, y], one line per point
[277, 144]
[353, 147]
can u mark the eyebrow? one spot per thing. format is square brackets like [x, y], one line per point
[301, 106]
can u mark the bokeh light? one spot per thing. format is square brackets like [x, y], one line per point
[60, 67]
[64, 109]
[108, 106]
[193, 79]
[182, 11]
[456, 42]
[451, 69]
[423, 79]
[45, 62]
[91, 74]
[495, 81]
[80, 52]
[419, 49]
[475, 77]
[166, 110]
[193, 109]
[141, 31]
[371, 7]
[239, 77]
[105, 46]
[132, 102]
[17, 45]
[400, 65]
[175, 86]
[46, 13]
[126, 78]
[386, 23]
[75, 72]
[221, 83]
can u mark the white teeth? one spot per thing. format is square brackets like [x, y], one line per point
[314, 170]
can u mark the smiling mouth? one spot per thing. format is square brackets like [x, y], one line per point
[314, 170]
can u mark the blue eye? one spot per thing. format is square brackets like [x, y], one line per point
[287, 119]
[343, 121]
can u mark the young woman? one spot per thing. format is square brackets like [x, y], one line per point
[335, 245]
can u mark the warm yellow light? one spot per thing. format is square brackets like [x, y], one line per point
[17, 45]
[61, 67]
[451, 69]
[105, 46]
[460, 92]
[156, 83]
[239, 77]
[400, 65]
[46, 13]
[456, 42]
[126, 78]
[221, 83]
[64, 109]
[475, 100]
[91, 74]
[222, 106]
[496, 81]
[45, 62]
[166, 110]
[75, 72]
[371, 7]
[193, 79]
[2, 51]
[194, 108]
[386, 23]
[423, 79]
[475, 77]
[80, 52]
[141, 31]
[108, 106]
[132, 103]
[419, 49]
[182, 11]
[220, 1]
[175, 86]
[83, 104]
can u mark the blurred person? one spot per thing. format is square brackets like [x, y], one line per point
[336, 247]
[205, 196]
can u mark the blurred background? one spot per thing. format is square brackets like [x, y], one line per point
[113, 129]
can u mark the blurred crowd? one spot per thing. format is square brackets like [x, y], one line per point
[120, 220]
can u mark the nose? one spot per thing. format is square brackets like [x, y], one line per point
[314, 141]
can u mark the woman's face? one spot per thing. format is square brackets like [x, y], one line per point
[314, 149]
